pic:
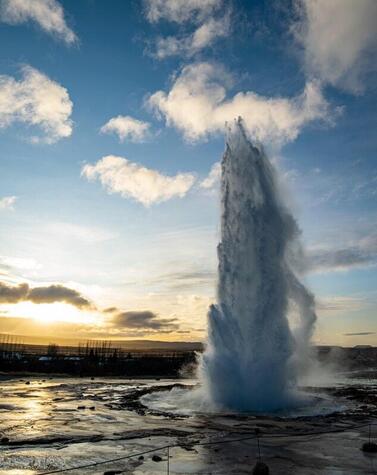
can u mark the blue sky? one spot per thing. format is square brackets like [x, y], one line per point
[124, 217]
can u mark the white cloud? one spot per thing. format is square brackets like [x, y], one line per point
[7, 202]
[38, 101]
[131, 180]
[204, 36]
[213, 177]
[197, 106]
[48, 14]
[127, 127]
[339, 37]
[180, 11]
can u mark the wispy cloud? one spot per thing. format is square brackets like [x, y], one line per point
[190, 280]
[197, 106]
[180, 11]
[210, 25]
[190, 44]
[132, 180]
[88, 234]
[339, 38]
[359, 334]
[7, 202]
[127, 128]
[349, 183]
[47, 14]
[360, 252]
[340, 303]
[38, 101]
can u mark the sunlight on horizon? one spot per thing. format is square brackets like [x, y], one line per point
[53, 313]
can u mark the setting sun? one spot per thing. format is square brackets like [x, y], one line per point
[53, 313]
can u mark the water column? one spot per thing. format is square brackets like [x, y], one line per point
[247, 362]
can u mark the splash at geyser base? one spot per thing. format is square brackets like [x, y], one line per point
[254, 356]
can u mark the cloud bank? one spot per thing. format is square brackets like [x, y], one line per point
[132, 180]
[44, 294]
[48, 14]
[38, 101]
[197, 105]
[126, 127]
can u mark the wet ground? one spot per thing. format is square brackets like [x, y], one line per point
[59, 423]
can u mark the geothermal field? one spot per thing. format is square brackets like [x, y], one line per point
[259, 398]
[188, 237]
[60, 423]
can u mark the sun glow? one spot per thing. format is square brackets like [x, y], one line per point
[53, 313]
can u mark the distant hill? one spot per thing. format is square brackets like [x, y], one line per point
[158, 345]
[141, 345]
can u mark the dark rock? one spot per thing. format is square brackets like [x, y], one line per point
[369, 447]
[141, 457]
[112, 472]
[156, 458]
[81, 407]
[4, 440]
[260, 468]
[92, 408]
[27, 382]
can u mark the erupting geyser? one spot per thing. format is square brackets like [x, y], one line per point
[252, 357]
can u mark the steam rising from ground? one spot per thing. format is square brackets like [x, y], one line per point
[253, 358]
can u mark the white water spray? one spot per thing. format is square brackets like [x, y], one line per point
[252, 358]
